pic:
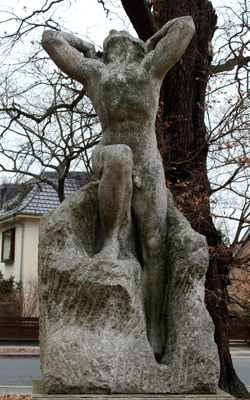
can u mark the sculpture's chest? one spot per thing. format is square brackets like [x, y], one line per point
[125, 78]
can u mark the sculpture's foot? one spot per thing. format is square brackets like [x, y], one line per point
[154, 338]
[159, 355]
[110, 251]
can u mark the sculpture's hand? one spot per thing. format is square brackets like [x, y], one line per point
[167, 46]
[52, 36]
[182, 23]
[161, 33]
[73, 56]
[88, 49]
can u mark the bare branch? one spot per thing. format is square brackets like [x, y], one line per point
[239, 61]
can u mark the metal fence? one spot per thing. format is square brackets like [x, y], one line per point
[239, 331]
[19, 328]
[25, 328]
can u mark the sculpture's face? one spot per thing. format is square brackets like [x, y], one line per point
[120, 46]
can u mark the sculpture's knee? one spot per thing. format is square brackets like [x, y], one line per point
[120, 158]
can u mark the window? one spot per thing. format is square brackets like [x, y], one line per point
[8, 245]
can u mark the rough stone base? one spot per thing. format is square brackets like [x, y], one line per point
[93, 333]
[40, 394]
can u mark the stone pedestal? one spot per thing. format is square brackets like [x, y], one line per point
[93, 334]
[40, 394]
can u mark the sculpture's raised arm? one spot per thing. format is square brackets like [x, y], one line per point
[167, 45]
[72, 55]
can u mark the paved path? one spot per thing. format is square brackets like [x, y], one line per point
[242, 367]
[241, 362]
[17, 374]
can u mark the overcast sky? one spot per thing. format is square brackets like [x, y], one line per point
[87, 18]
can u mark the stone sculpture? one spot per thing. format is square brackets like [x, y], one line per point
[121, 271]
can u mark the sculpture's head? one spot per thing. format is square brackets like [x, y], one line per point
[121, 45]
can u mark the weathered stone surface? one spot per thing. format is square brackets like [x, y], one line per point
[123, 84]
[121, 271]
[38, 393]
[93, 334]
[190, 350]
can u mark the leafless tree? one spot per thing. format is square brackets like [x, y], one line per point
[202, 126]
[47, 120]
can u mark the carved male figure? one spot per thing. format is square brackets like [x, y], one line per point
[123, 85]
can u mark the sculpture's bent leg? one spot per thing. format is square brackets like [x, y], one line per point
[154, 281]
[113, 166]
[150, 205]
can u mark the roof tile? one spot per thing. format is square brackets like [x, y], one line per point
[42, 197]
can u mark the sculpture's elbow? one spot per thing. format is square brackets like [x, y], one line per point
[50, 39]
[188, 25]
[191, 25]
[46, 37]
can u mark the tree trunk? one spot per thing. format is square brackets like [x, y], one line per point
[140, 17]
[181, 134]
[61, 186]
[217, 305]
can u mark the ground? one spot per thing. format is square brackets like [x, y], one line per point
[15, 397]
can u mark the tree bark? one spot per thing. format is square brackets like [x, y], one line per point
[139, 14]
[181, 134]
[217, 305]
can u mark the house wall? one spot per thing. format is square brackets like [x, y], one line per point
[239, 290]
[27, 250]
[30, 248]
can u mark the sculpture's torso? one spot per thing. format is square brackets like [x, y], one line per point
[127, 105]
